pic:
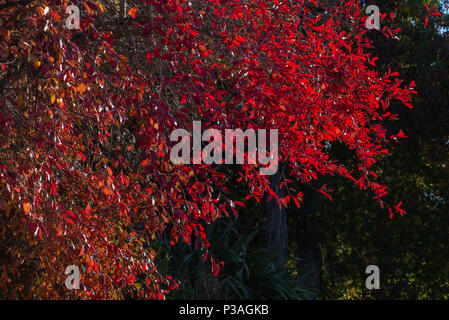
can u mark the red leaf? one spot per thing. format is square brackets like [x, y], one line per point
[54, 189]
[133, 12]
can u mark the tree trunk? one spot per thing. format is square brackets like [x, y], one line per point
[309, 250]
[276, 233]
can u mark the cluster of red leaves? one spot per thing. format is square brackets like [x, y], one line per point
[85, 120]
[429, 13]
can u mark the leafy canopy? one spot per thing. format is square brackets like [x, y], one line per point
[86, 115]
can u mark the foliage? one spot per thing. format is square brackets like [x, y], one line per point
[85, 120]
[248, 271]
[411, 252]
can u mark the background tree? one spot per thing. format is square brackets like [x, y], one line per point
[411, 251]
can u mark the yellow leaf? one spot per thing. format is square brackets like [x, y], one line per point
[100, 6]
[53, 97]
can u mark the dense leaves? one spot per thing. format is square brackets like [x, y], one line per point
[86, 117]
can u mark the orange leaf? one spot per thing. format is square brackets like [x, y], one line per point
[203, 50]
[82, 87]
[107, 191]
[27, 207]
[60, 229]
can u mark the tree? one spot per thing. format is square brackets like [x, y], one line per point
[410, 251]
[86, 117]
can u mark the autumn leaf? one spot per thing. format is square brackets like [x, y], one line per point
[54, 189]
[81, 87]
[6, 34]
[88, 209]
[27, 207]
[133, 12]
[203, 50]
[36, 64]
